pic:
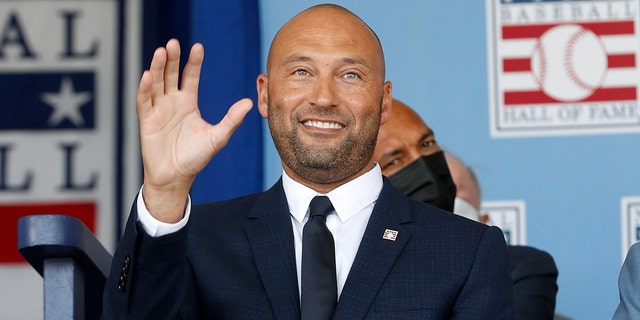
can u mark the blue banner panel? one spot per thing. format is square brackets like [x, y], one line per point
[230, 33]
[45, 101]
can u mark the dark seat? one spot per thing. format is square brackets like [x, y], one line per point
[73, 263]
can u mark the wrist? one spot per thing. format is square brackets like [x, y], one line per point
[165, 203]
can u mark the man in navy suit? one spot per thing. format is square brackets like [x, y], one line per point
[324, 96]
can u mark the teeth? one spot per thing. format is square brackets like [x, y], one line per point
[323, 125]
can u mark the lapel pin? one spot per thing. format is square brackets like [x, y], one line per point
[390, 235]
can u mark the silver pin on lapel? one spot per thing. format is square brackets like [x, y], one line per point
[390, 234]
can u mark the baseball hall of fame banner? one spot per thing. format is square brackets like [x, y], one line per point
[563, 67]
[61, 128]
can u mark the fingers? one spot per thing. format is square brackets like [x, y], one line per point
[143, 97]
[171, 70]
[165, 70]
[191, 73]
[158, 64]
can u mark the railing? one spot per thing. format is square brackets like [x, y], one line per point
[72, 262]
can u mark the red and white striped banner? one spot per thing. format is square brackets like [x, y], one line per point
[563, 67]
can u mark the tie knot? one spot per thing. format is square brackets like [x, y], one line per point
[320, 206]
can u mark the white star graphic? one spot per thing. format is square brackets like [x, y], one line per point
[66, 103]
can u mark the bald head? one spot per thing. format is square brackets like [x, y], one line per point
[404, 138]
[466, 182]
[325, 96]
[402, 113]
[326, 21]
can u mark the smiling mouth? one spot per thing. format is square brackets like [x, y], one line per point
[322, 125]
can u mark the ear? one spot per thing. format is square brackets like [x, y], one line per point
[262, 83]
[484, 218]
[386, 102]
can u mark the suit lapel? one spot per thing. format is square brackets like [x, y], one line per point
[376, 255]
[271, 238]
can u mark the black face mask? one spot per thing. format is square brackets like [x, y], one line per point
[427, 179]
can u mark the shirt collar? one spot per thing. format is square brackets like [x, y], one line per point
[347, 199]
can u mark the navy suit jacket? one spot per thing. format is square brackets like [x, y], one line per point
[235, 260]
[534, 276]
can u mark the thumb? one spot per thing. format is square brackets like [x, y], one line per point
[232, 120]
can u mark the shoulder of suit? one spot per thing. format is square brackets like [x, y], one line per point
[435, 215]
[531, 258]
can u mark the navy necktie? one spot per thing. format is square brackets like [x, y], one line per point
[319, 283]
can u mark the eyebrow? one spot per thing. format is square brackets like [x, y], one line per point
[347, 60]
[296, 59]
[355, 61]
[391, 154]
[397, 151]
[426, 135]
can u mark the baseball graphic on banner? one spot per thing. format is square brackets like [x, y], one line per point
[569, 62]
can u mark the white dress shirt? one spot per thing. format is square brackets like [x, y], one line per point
[353, 203]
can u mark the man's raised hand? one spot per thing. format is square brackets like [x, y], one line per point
[176, 142]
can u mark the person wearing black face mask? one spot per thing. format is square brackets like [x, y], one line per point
[410, 157]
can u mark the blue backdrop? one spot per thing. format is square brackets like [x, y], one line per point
[229, 31]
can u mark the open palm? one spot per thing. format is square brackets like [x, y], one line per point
[176, 142]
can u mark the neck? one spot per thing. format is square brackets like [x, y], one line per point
[324, 188]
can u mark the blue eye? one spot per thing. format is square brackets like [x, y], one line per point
[301, 72]
[351, 75]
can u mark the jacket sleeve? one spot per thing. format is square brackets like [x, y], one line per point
[488, 291]
[150, 278]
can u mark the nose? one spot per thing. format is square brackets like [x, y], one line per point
[324, 92]
[413, 154]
